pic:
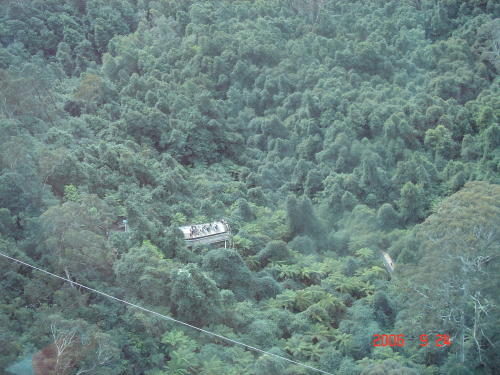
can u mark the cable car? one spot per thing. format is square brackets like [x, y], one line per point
[207, 233]
[389, 264]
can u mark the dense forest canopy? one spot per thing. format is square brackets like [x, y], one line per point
[325, 131]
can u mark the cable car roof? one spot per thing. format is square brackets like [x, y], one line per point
[206, 230]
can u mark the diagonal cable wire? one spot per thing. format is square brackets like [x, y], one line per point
[166, 317]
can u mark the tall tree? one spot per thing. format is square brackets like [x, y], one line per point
[195, 297]
[454, 287]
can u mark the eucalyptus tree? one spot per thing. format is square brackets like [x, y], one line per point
[453, 287]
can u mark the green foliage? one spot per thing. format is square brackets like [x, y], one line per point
[74, 235]
[229, 271]
[460, 238]
[330, 360]
[387, 216]
[303, 244]
[322, 131]
[262, 333]
[269, 365]
[440, 140]
[302, 219]
[388, 366]
[384, 309]
[7, 223]
[274, 251]
[245, 211]
[265, 287]
[412, 202]
[71, 193]
[143, 272]
[194, 296]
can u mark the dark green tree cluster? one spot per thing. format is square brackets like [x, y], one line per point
[325, 131]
